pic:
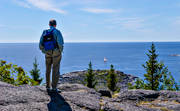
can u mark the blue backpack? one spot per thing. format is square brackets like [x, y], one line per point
[49, 42]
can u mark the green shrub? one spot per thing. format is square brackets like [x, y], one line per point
[13, 74]
[139, 84]
[7, 72]
[168, 81]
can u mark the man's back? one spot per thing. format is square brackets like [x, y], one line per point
[52, 55]
[57, 36]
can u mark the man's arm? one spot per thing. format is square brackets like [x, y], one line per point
[41, 47]
[60, 40]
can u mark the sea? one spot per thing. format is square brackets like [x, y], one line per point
[127, 57]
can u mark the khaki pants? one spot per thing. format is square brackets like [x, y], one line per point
[53, 59]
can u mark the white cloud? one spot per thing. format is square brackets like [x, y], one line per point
[87, 2]
[98, 10]
[177, 21]
[2, 26]
[66, 34]
[175, 24]
[84, 24]
[56, 5]
[46, 5]
[134, 23]
[131, 23]
[22, 3]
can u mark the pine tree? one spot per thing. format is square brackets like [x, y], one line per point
[153, 70]
[112, 79]
[157, 76]
[35, 73]
[90, 77]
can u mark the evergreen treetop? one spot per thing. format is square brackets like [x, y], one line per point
[35, 73]
[112, 79]
[153, 70]
[157, 76]
[90, 77]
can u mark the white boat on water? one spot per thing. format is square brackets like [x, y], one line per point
[175, 55]
[105, 60]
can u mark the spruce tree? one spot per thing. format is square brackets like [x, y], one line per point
[90, 77]
[157, 76]
[35, 73]
[112, 79]
[153, 70]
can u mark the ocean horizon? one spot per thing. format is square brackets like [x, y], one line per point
[127, 57]
[97, 42]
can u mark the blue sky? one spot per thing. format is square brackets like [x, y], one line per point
[91, 20]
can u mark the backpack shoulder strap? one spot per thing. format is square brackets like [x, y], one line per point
[47, 31]
[52, 30]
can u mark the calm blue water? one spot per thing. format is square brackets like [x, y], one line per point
[127, 57]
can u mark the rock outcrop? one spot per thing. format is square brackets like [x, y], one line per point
[76, 97]
[79, 77]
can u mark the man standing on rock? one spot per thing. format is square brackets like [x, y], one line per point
[51, 44]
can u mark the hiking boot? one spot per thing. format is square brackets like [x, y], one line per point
[55, 90]
[48, 89]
